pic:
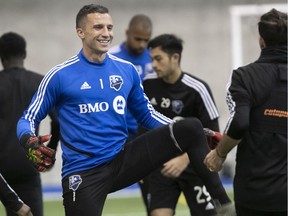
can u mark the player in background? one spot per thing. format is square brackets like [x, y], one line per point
[17, 87]
[257, 100]
[91, 93]
[178, 95]
[134, 50]
[11, 200]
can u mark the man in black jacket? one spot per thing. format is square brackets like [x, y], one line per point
[17, 87]
[257, 99]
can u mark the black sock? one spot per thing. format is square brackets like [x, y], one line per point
[190, 137]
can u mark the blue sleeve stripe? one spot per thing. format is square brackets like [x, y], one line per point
[35, 106]
[204, 93]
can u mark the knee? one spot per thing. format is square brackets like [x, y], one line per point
[189, 126]
[189, 133]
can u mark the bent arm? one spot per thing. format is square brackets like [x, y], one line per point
[41, 104]
[239, 104]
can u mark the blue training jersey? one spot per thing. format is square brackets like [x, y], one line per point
[143, 64]
[91, 100]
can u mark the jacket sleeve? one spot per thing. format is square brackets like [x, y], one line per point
[239, 105]
[207, 111]
[41, 104]
[8, 196]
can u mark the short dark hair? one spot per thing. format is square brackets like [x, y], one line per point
[169, 43]
[141, 20]
[12, 45]
[272, 28]
[87, 9]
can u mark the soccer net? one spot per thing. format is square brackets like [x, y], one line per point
[244, 31]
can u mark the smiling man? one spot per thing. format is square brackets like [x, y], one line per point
[92, 93]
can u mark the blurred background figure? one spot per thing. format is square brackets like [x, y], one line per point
[134, 49]
[17, 87]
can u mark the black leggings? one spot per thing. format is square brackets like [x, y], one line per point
[137, 159]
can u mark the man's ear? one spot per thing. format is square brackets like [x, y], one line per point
[176, 57]
[262, 43]
[80, 33]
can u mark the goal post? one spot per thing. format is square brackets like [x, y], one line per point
[237, 13]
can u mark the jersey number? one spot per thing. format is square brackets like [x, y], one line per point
[165, 102]
[101, 83]
[202, 194]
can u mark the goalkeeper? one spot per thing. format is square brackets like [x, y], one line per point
[92, 92]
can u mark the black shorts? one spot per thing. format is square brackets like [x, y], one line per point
[165, 192]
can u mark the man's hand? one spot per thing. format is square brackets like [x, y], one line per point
[213, 162]
[24, 211]
[42, 157]
[174, 167]
[215, 158]
[213, 137]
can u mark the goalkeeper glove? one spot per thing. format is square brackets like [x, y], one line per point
[41, 156]
[213, 137]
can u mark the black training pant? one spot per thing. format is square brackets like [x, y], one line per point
[137, 159]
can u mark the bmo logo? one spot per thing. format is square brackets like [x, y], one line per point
[97, 107]
[119, 104]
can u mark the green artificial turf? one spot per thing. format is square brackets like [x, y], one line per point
[130, 206]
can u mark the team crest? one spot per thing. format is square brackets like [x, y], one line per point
[177, 106]
[119, 104]
[74, 182]
[116, 82]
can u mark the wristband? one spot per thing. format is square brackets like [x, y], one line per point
[219, 155]
[24, 139]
